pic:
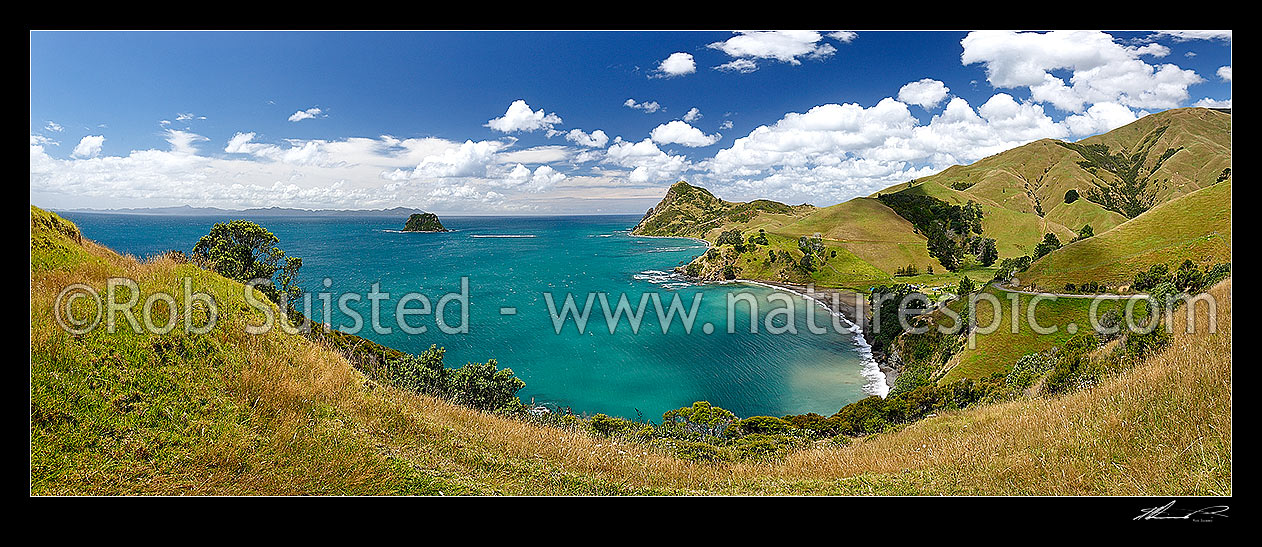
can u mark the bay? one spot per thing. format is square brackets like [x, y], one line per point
[515, 262]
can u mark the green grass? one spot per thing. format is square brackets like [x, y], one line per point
[942, 281]
[1015, 233]
[843, 270]
[1194, 227]
[56, 243]
[998, 351]
[869, 230]
[1081, 211]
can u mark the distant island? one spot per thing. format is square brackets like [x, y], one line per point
[258, 212]
[424, 222]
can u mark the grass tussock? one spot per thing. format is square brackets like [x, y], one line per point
[232, 413]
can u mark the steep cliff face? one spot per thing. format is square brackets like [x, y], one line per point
[424, 222]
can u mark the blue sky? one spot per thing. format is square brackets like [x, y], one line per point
[505, 122]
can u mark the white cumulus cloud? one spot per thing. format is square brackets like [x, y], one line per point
[647, 162]
[1189, 35]
[680, 132]
[677, 64]
[1102, 70]
[543, 178]
[519, 117]
[927, 93]
[471, 159]
[596, 139]
[743, 66]
[787, 46]
[89, 146]
[843, 36]
[1101, 118]
[1213, 103]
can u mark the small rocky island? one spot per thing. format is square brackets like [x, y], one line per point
[424, 222]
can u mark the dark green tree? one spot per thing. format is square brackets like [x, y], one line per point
[1050, 243]
[731, 237]
[989, 252]
[1085, 232]
[244, 251]
[966, 287]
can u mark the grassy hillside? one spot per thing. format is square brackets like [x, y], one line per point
[868, 229]
[230, 413]
[1024, 193]
[1082, 212]
[1176, 151]
[998, 351]
[1201, 138]
[864, 240]
[1196, 226]
[1015, 233]
[692, 211]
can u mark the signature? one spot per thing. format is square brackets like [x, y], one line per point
[1200, 515]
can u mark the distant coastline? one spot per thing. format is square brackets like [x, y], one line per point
[263, 212]
[188, 210]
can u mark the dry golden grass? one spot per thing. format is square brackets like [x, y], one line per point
[289, 416]
[1163, 427]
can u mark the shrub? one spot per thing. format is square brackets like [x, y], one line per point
[1071, 196]
[765, 425]
[989, 253]
[813, 423]
[1085, 232]
[701, 419]
[907, 271]
[484, 387]
[696, 451]
[1030, 367]
[1138, 345]
[761, 447]
[1156, 274]
[422, 373]
[609, 426]
[966, 287]
[1188, 278]
[731, 237]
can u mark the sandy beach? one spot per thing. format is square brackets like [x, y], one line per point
[847, 303]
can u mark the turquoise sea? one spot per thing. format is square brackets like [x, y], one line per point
[626, 374]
